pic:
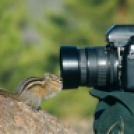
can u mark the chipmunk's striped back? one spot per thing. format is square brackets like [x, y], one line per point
[29, 83]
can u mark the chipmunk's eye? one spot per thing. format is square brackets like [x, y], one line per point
[51, 76]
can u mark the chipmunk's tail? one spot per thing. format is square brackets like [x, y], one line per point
[8, 94]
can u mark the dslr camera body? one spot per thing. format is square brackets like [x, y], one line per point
[109, 67]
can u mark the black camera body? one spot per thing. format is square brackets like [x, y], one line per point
[109, 67]
[122, 38]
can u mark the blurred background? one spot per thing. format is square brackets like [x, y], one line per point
[31, 33]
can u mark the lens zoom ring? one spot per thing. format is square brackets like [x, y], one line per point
[102, 68]
[102, 75]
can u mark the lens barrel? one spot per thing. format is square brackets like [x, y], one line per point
[91, 66]
[69, 58]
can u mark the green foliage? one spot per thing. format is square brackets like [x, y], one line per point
[31, 33]
[71, 103]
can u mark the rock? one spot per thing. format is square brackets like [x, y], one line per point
[18, 118]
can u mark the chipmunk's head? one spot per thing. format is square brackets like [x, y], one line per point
[54, 83]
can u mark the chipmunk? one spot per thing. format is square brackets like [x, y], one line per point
[33, 90]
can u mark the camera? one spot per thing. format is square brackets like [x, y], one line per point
[109, 67]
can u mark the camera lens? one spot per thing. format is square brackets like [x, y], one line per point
[91, 66]
[69, 58]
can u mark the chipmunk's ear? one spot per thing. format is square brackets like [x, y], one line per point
[46, 75]
[49, 75]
